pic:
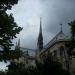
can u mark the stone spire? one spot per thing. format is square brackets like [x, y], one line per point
[19, 44]
[40, 38]
[17, 47]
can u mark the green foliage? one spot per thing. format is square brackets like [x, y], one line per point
[20, 68]
[50, 67]
[70, 44]
[72, 27]
[47, 67]
[2, 73]
[15, 54]
[13, 66]
[8, 28]
[8, 31]
[7, 4]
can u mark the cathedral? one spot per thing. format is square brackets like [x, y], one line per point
[55, 47]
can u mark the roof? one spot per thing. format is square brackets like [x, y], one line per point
[60, 37]
[29, 52]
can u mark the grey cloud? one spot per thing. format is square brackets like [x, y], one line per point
[53, 13]
[61, 11]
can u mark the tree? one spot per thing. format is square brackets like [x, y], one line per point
[8, 27]
[50, 67]
[72, 28]
[70, 44]
[7, 4]
[21, 69]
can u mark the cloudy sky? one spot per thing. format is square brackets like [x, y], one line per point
[27, 14]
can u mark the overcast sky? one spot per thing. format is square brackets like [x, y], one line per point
[27, 14]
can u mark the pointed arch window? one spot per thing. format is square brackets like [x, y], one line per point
[55, 54]
[61, 51]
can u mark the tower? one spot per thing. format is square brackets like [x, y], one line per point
[17, 47]
[40, 38]
[19, 43]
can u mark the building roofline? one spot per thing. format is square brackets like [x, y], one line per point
[45, 49]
